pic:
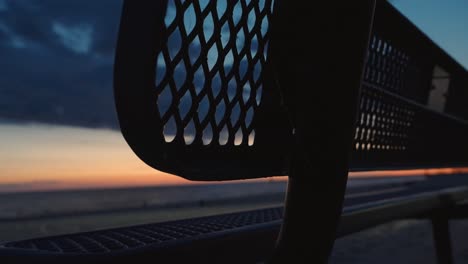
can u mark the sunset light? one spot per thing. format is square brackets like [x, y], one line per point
[45, 157]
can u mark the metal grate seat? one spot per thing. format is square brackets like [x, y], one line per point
[121, 239]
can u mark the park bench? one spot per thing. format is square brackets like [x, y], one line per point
[215, 90]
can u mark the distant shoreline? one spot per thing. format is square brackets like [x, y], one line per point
[63, 203]
[35, 205]
[138, 187]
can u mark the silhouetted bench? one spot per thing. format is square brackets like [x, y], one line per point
[214, 91]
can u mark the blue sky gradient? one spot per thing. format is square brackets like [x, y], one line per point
[445, 22]
[57, 56]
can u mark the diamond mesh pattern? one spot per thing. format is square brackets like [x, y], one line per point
[152, 234]
[196, 112]
[383, 122]
[386, 65]
[209, 73]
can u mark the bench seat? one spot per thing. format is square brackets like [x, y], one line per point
[251, 233]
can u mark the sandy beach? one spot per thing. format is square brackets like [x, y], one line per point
[35, 214]
[403, 242]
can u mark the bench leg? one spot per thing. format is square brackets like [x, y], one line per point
[442, 242]
[320, 157]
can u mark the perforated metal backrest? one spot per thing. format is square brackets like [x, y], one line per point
[197, 96]
[414, 100]
[195, 91]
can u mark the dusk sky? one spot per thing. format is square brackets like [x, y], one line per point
[56, 68]
[57, 59]
[445, 22]
[57, 56]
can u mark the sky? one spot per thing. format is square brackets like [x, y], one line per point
[57, 56]
[56, 60]
[36, 157]
[445, 22]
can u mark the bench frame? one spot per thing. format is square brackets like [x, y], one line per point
[319, 159]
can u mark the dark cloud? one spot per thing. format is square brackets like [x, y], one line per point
[56, 60]
[57, 57]
[3, 5]
[34, 19]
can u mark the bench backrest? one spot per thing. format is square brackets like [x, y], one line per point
[414, 100]
[195, 91]
[198, 96]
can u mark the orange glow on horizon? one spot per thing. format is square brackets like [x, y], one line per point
[44, 157]
[39, 157]
[410, 172]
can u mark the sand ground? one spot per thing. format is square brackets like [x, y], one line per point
[401, 242]
[29, 215]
